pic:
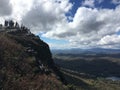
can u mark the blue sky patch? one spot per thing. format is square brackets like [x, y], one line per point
[49, 40]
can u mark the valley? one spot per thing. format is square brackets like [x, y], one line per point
[90, 71]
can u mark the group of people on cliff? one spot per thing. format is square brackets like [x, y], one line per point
[10, 24]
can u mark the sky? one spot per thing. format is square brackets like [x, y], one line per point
[66, 24]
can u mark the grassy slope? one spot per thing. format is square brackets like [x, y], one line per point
[82, 83]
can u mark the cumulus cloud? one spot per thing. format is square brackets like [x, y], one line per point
[100, 1]
[14, 9]
[116, 1]
[90, 3]
[5, 8]
[47, 15]
[110, 40]
[88, 27]
[20, 8]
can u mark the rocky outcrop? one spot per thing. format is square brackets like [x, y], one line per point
[25, 62]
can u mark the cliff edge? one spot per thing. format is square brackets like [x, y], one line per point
[26, 62]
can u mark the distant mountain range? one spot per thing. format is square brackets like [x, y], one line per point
[86, 51]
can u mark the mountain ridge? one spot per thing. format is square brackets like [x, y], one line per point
[26, 62]
[92, 50]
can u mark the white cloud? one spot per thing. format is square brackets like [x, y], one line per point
[47, 15]
[14, 9]
[110, 40]
[89, 3]
[5, 8]
[100, 1]
[20, 8]
[89, 26]
[116, 1]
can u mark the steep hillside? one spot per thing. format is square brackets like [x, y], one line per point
[26, 63]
